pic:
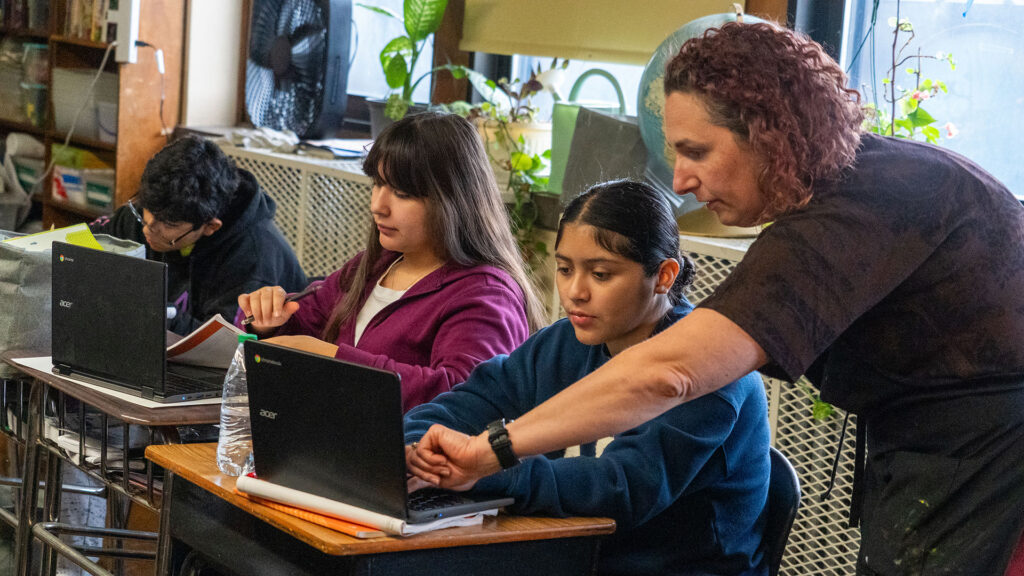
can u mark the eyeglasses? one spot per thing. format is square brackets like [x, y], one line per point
[138, 216]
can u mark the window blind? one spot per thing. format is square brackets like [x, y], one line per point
[623, 31]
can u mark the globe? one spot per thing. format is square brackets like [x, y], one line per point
[651, 106]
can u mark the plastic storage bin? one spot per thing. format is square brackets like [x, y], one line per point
[33, 103]
[70, 85]
[35, 64]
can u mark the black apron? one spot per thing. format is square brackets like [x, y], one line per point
[943, 481]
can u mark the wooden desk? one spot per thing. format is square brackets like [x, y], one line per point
[47, 386]
[202, 512]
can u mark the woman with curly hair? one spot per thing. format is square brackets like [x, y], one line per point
[892, 276]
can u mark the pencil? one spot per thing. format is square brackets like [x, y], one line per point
[311, 289]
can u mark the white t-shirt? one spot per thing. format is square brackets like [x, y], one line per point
[378, 300]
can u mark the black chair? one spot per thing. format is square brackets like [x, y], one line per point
[783, 502]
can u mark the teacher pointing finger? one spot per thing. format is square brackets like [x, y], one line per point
[892, 276]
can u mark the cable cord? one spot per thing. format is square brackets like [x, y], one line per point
[74, 122]
[158, 54]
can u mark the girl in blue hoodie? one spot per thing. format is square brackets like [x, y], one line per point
[686, 489]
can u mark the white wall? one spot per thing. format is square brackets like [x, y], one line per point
[212, 63]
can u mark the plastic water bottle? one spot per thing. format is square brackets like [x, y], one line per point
[234, 447]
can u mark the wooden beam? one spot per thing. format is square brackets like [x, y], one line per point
[446, 51]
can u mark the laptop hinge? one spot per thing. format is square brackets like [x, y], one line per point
[147, 392]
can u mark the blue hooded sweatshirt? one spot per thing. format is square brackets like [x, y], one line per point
[686, 490]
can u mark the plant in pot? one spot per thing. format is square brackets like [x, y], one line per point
[420, 20]
[518, 144]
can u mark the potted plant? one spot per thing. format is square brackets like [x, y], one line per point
[420, 19]
[517, 142]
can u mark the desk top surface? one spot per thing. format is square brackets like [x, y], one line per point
[125, 411]
[197, 464]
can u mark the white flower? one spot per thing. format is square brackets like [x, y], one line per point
[951, 130]
[552, 81]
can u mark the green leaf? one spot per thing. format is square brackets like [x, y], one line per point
[547, 154]
[521, 162]
[423, 17]
[379, 10]
[920, 117]
[396, 107]
[396, 71]
[821, 410]
[931, 133]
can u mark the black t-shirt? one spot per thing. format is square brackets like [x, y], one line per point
[904, 280]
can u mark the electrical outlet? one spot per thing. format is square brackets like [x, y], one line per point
[123, 26]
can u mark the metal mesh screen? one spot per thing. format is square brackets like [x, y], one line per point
[322, 206]
[820, 543]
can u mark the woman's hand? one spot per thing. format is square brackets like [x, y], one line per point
[450, 459]
[305, 343]
[267, 308]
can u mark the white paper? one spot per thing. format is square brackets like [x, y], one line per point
[212, 345]
[43, 241]
[388, 524]
[45, 364]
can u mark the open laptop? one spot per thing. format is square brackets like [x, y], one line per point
[110, 327]
[334, 429]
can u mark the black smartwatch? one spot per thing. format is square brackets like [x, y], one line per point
[497, 435]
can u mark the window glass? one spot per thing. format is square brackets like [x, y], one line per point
[985, 101]
[372, 32]
[595, 88]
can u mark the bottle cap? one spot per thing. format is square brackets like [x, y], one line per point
[244, 337]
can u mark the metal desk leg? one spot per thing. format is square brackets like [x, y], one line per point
[163, 546]
[29, 483]
[51, 505]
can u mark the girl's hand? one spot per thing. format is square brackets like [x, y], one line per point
[305, 343]
[267, 308]
[450, 459]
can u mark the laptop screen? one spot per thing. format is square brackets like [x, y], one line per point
[109, 315]
[327, 427]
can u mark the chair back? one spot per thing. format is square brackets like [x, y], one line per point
[783, 502]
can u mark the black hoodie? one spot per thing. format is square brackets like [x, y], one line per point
[246, 253]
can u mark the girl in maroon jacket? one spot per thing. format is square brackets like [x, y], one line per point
[440, 287]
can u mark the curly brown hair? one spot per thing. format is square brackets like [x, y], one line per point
[781, 93]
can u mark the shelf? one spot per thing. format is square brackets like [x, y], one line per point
[86, 211]
[16, 126]
[25, 32]
[58, 138]
[84, 42]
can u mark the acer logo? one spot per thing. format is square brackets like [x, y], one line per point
[65, 304]
[268, 414]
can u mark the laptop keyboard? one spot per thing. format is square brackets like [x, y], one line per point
[431, 498]
[178, 384]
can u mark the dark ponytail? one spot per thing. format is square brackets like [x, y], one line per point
[633, 220]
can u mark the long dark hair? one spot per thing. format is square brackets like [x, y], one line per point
[633, 220]
[439, 157]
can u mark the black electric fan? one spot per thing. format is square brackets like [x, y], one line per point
[296, 75]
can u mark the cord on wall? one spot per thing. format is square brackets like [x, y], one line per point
[158, 54]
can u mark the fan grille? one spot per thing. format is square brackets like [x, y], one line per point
[290, 97]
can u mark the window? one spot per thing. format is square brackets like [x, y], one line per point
[986, 91]
[595, 88]
[373, 32]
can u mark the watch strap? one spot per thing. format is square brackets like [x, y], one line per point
[497, 435]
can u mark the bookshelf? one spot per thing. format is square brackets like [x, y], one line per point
[77, 50]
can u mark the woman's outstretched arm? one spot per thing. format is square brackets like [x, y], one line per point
[695, 356]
